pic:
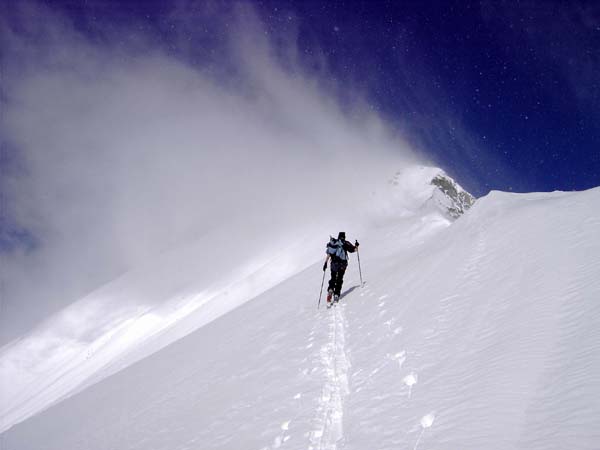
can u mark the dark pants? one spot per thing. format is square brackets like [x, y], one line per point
[337, 277]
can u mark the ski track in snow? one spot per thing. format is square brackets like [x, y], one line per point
[328, 433]
[329, 427]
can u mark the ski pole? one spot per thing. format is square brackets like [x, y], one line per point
[321, 291]
[359, 270]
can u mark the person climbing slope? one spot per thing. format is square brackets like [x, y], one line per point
[337, 252]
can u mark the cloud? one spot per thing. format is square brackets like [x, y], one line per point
[117, 147]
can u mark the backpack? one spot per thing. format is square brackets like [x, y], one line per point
[335, 248]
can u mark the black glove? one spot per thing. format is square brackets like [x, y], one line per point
[356, 244]
[325, 266]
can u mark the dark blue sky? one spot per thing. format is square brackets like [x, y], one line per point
[505, 95]
[517, 80]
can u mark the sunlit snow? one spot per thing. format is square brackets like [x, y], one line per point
[479, 333]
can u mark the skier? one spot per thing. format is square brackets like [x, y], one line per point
[337, 251]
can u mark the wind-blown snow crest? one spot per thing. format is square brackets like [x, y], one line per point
[475, 334]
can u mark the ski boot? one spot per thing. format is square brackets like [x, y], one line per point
[336, 298]
[329, 296]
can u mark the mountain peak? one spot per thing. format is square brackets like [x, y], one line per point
[450, 196]
[415, 187]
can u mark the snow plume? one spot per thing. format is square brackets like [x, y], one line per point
[116, 148]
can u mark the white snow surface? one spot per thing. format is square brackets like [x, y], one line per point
[481, 333]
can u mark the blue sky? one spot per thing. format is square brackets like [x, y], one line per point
[518, 81]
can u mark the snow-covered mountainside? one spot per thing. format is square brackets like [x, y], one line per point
[475, 333]
[178, 292]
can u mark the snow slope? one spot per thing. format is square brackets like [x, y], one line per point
[480, 333]
[175, 293]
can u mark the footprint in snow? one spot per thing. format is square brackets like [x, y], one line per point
[426, 422]
[410, 380]
[400, 357]
[279, 440]
[318, 433]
